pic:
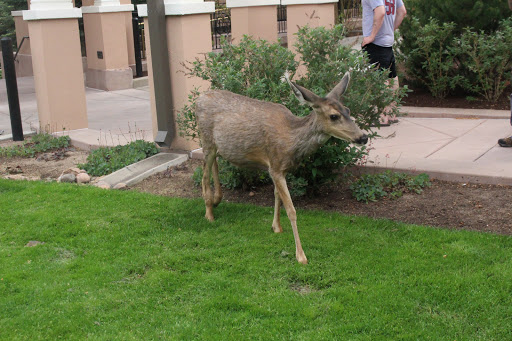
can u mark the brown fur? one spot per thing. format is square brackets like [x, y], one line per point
[257, 134]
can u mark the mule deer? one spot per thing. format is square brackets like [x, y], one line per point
[253, 133]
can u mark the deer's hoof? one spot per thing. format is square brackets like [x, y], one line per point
[302, 259]
[277, 229]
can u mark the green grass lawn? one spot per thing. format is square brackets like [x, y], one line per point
[126, 265]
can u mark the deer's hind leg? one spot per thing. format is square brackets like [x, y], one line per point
[276, 224]
[209, 159]
[217, 196]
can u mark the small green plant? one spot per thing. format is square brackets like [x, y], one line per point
[39, 143]
[233, 177]
[372, 187]
[106, 160]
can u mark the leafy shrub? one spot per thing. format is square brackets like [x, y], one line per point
[39, 143]
[487, 59]
[480, 14]
[431, 59]
[254, 68]
[372, 187]
[106, 160]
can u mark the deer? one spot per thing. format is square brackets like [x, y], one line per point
[258, 134]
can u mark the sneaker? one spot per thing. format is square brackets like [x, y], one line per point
[506, 142]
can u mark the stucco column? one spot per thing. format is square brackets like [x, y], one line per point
[256, 18]
[188, 38]
[57, 63]
[107, 46]
[24, 59]
[314, 13]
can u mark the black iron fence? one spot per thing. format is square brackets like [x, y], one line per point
[281, 19]
[220, 22]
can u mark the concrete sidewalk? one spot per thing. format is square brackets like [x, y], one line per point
[116, 117]
[450, 144]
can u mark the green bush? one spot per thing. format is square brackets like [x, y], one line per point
[452, 18]
[480, 14]
[106, 160]
[254, 68]
[38, 143]
[487, 59]
[372, 187]
[431, 60]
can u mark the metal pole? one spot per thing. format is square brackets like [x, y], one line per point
[161, 73]
[12, 89]
[136, 43]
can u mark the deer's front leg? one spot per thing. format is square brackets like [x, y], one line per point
[282, 188]
[276, 224]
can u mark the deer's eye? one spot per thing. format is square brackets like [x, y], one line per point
[334, 117]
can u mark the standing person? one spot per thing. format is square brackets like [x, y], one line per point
[380, 20]
[507, 141]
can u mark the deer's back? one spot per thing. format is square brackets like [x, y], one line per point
[245, 131]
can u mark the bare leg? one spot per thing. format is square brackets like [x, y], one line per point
[282, 188]
[385, 117]
[217, 196]
[276, 224]
[209, 158]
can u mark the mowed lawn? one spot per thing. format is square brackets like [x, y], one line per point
[126, 265]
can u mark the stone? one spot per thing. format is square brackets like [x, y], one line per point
[70, 177]
[120, 185]
[102, 184]
[83, 178]
[72, 170]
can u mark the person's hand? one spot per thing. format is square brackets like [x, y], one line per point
[367, 40]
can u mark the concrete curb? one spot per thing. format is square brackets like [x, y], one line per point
[139, 171]
[428, 112]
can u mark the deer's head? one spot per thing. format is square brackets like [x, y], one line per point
[333, 117]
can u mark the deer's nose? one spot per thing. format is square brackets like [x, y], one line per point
[362, 140]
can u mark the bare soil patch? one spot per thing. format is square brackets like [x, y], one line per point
[45, 166]
[444, 204]
[422, 98]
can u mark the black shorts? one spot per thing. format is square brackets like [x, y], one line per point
[383, 57]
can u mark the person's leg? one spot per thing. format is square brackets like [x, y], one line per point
[507, 141]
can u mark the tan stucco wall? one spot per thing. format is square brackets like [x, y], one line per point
[313, 15]
[188, 37]
[105, 32]
[58, 76]
[22, 31]
[260, 22]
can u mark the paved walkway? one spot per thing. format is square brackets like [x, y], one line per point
[115, 117]
[451, 144]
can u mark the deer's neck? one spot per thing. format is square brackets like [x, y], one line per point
[308, 137]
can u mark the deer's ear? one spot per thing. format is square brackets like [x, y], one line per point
[340, 88]
[303, 95]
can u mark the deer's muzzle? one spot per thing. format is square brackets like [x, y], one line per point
[362, 140]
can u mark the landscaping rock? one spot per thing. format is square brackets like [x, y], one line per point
[83, 178]
[120, 185]
[70, 177]
[102, 184]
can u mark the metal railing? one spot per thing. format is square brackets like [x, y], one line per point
[220, 22]
[281, 19]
